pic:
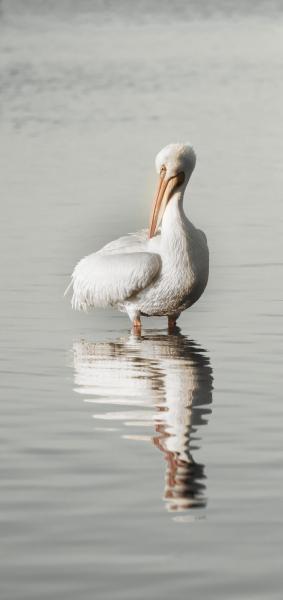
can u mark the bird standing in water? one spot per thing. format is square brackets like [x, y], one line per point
[156, 272]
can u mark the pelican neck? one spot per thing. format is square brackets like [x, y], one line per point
[174, 216]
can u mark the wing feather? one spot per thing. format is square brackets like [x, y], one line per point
[133, 242]
[110, 278]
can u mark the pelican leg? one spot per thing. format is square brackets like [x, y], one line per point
[135, 317]
[137, 326]
[172, 320]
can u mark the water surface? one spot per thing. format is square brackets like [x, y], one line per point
[140, 468]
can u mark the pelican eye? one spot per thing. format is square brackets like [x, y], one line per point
[181, 177]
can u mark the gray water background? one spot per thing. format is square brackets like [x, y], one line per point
[94, 501]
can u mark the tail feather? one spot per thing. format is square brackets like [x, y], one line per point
[67, 289]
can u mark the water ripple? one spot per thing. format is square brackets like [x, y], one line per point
[166, 384]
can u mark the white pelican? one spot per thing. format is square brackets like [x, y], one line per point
[156, 272]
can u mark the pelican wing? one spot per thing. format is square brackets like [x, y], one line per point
[133, 242]
[115, 273]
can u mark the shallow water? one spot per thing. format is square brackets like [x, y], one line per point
[140, 468]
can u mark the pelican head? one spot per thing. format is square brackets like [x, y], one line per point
[174, 164]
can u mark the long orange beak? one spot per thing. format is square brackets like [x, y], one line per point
[163, 194]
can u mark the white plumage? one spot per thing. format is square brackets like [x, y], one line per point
[156, 271]
[105, 279]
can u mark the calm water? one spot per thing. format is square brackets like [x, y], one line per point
[140, 468]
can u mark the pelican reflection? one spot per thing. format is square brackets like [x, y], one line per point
[158, 381]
